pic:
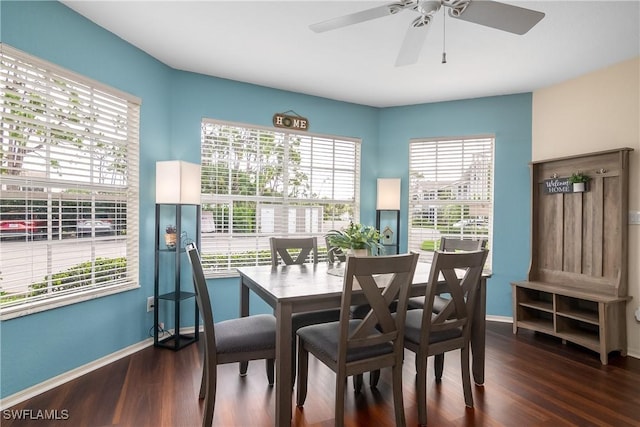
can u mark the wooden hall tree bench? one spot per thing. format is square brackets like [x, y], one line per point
[576, 287]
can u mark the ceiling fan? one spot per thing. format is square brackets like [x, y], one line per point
[492, 14]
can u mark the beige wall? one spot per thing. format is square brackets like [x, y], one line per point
[595, 112]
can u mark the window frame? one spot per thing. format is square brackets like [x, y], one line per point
[50, 185]
[465, 227]
[261, 237]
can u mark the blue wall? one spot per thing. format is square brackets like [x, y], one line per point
[40, 346]
[509, 119]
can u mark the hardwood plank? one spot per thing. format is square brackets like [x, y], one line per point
[532, 380]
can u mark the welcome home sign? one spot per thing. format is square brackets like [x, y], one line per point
[557, 185]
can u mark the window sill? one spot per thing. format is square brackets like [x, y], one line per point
[57, 302]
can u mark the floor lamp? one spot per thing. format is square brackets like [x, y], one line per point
[388, 214]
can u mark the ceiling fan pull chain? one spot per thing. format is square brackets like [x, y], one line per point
[444, 37]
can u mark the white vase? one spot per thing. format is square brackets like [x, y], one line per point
[358, 252]
[578, 187]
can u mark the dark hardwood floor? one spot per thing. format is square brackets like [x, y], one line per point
[531, 380]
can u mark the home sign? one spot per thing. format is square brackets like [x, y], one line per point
[557, 185]
[281, 120]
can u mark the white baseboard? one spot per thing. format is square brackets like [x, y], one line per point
[56, 381]
[501, 319]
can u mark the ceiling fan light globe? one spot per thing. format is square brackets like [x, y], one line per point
[428, 7]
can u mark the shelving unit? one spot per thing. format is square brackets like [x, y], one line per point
[577, 283]
[389, 218]
[169, 290]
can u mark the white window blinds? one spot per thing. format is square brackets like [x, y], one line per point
[259, 182]
[69, 186]
[451, 190]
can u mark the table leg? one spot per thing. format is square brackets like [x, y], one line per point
[478, 337]
[283, 365]
[244, 312]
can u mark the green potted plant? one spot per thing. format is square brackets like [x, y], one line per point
[356, 239]
[579, 181]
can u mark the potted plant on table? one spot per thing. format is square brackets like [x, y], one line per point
[579, 181]
[356, 239]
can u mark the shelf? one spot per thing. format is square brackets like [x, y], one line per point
[540, 325]
[173, 296]
[172, 262]
[538, 305]
[582, 316]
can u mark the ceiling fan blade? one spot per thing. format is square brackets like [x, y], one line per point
[412, 45]
[353, 18]
[501, 16]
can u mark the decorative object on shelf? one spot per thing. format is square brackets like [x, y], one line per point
[185, 240]
[387, 236]
[579, 181]
[356, 237]
[388, 214]
[170, 236]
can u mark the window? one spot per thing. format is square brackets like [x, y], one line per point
[260, 182]
[451, 190]
[68, 186]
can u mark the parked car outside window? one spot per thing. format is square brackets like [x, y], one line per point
[22, 225]
[102, 228]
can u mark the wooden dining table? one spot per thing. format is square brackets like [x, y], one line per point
[291, 289]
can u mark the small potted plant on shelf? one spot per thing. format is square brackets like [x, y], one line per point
[579, 181]
[170, 236]
[356, 239]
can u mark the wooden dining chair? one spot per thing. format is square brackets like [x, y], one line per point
[447, 244]
[353, 346]
[427, 333]
[298, 250]
[293, 250]
[229, 341]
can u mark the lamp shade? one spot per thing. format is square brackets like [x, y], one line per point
[177, 182]
[388, 194]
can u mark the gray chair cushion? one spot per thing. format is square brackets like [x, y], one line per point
[300, 320]
[324, 339]
[252, 333]
[413, 326]
[418, 302]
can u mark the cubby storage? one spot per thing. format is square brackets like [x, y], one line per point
[577, 283]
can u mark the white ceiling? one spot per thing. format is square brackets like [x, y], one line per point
[269, 43]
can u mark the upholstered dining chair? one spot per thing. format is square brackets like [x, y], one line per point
[353, 346]
[427, 333]
[297, 250]
[236, 340]
[447, 244]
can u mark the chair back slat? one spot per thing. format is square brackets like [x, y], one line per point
[293, 250]
[445, 276]
[382, 280]
[447, 244]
